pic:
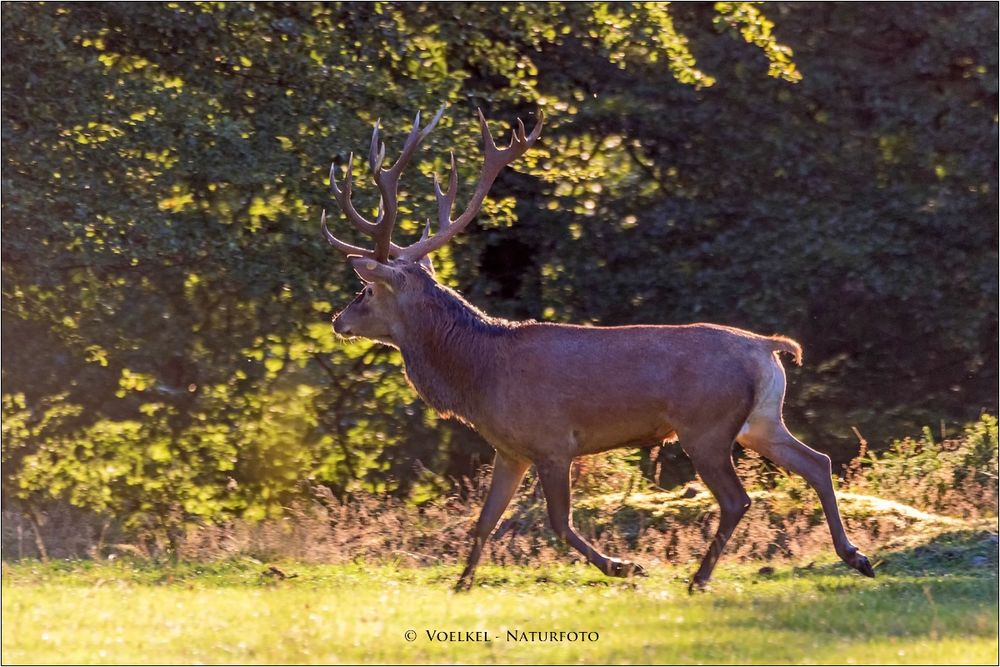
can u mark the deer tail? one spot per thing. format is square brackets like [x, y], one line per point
[785, 344]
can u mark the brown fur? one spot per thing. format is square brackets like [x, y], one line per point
[546, 393]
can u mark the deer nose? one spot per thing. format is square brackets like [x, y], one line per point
[340, 327]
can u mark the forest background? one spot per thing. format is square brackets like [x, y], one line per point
[827, 171]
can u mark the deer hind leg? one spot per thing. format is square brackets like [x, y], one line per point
[712, 457]
[770, 438]
[554, 476]
[507, 476]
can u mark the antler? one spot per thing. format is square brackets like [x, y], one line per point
[494, 160]
[387, 181]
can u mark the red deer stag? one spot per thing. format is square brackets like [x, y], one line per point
[544, 394]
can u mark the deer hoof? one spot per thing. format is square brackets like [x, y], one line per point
[638, 570]
[624, 568]
[697, 586]
[859, 562]
[862, 565]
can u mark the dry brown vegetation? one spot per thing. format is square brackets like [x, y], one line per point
[915, 490]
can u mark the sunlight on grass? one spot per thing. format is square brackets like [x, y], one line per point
[86, 613]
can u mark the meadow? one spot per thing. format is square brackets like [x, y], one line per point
[344, 582]
[935, 603]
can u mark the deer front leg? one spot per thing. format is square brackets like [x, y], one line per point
[507, 476]
[555, 483]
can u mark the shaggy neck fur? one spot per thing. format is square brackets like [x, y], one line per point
[452, 350]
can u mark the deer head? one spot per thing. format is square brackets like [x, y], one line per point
[394, 277]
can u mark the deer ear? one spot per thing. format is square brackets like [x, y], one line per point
[372, 271]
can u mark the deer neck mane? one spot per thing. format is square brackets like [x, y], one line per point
[451, 351]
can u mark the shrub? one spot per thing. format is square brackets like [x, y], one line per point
[955, 476]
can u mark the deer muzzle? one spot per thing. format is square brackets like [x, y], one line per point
[340, 327]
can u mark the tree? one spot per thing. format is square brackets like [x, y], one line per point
[165, 290]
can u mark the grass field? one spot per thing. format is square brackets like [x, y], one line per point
[933, 604]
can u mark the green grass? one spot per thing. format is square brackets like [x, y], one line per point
[929, 605]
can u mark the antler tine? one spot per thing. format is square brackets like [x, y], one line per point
[416, 137]
[494, 160]
[376, 152]
[498, 158]
[345, 248]
[446, 200]
[343, 197]
[387, 181]
[520, 126]
[411, 142]
[535, 131]
[333, 178]
[488, 142]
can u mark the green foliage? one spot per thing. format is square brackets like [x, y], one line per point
[929, 472]
[166, 355]
[746, 19]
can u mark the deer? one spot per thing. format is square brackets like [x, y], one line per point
[543, 393]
